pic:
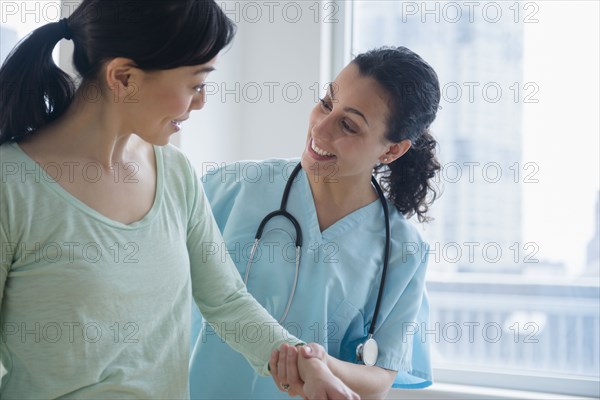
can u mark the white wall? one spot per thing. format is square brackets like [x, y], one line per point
[255, 118]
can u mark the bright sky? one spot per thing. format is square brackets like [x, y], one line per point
[562, 131]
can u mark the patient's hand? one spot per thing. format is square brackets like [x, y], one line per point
[307, 377]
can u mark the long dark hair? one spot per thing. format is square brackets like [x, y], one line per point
[414, 92]
[155, 34]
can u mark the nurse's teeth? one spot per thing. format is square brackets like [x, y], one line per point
[319, 151]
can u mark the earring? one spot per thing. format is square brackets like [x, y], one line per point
[385, 159]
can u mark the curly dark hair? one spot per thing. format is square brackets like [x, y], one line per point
[414, 92]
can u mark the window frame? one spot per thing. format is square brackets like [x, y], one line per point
[340, 35]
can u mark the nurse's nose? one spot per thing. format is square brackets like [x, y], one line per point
[324, 127]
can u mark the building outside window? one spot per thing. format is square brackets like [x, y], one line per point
[514, 267]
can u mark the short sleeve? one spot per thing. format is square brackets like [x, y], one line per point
[402, 347]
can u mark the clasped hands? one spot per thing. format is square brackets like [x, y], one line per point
[303, 371]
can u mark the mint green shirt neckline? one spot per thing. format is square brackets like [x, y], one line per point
[55, 187]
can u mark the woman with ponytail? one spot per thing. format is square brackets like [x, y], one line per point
[373, 120]
[104, 228]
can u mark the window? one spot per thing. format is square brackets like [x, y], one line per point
[19, 18]
[514, 268]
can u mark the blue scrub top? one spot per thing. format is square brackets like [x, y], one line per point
[339, 276]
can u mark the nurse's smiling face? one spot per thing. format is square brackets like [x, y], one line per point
[346, 135]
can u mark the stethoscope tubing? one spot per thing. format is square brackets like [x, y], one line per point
[284, 213]
[386, 254]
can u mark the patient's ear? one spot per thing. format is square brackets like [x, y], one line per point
[121, 76]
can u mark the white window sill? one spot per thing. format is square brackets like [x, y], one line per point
[446, 391]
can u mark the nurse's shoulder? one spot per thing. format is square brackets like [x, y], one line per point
[407, 244]
[256, 175]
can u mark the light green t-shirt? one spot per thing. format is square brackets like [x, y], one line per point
[93, 308]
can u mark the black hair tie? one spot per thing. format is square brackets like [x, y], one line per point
[66, 32]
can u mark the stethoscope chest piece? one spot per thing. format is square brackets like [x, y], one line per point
[367, 352]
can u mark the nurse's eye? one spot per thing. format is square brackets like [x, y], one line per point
[198, 89]
[326, 105]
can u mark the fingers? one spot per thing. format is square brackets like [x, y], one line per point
[273, 361]
[293, 376]
[307, 351]
[340, 391]
[313, 350]
[282, 366]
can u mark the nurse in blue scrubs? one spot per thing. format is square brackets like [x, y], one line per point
[374, 119]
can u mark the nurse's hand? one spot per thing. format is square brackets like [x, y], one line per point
[321, 383]
[288, 365]
[313, 350]
[284, 370]
[309, 378]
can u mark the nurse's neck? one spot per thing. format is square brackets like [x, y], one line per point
[335, 198]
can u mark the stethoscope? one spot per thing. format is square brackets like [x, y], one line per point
[367, 351]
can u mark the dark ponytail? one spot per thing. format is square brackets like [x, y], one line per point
[34, 91]
[155, 34]
[409, 180]
[414, 98]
